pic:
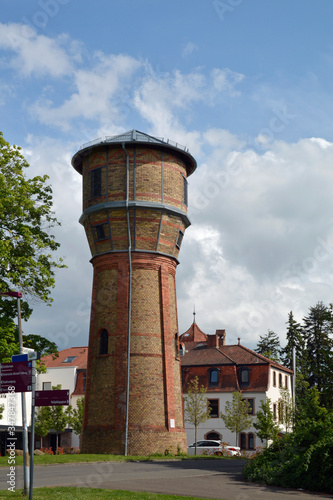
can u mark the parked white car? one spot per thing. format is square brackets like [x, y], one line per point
[210, 447]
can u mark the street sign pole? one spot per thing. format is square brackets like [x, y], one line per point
[18, 296]
[24, 418]
[32, 433]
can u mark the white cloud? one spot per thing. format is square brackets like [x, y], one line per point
[226, 80]
[270, 238]
[35, 54]
[189, 48]
[100, 92]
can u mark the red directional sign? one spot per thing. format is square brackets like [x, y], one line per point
[52, 398]
[15, 376]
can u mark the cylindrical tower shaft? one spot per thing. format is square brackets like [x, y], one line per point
[134, 214]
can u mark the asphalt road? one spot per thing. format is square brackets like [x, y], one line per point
[219, 479]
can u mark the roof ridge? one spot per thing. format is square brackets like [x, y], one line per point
[261, 356]
[226, 355]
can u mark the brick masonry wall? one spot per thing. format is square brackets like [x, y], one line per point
[155, 392]
[156, 420]
[154, 175]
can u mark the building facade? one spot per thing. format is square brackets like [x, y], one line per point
[223, 369]
[67, 370]
[135, 216]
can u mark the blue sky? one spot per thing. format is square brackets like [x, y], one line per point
[245, 85]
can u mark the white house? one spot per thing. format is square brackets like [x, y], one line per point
[67, 370]
[223, 369]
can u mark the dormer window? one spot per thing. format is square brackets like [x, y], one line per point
[244, 376]
[213, 377]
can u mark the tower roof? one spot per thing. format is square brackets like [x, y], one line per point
[135, 137]
[193, 334]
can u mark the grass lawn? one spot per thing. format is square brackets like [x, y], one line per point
[64, 459]
[91, 493]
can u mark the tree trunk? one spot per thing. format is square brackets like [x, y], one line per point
[195, 439]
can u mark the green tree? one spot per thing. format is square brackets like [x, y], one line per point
[294, 341]
[197, 410]
[58, 419]
[8, 344]
[25, 220]
[42, 422]
[26, 263]
[317, 334]
[2, 407]
[75, 416]
[302, 458]
[265, 425]
[41, 345]
[236, 417]
[269, 346]
[287, 409]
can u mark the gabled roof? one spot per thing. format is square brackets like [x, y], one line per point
[243, 355]
[197, 352]
[203, 356]
[79, 355]
[227, 355]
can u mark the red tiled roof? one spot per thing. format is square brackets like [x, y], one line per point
[205, 356]
[193, 334]
[80, 361]
[226, 355]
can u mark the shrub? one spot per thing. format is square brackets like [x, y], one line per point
[47, 451]
[302, 459]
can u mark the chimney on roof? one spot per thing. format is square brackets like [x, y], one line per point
[238, 340]
[212, 340]
[221, 335]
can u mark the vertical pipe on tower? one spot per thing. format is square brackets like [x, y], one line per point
[129, 299]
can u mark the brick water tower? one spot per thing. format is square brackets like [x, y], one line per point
[135, 216]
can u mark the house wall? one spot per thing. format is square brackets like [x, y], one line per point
[217, 424]
[65, 376]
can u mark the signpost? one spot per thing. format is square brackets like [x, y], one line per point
[18, 296]
[17, 374]
[52, 398]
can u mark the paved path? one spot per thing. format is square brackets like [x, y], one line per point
[219, 479]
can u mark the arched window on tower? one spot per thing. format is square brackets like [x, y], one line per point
[104, 342]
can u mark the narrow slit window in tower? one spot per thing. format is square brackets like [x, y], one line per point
[185, 195]
[179, 239]
[96, 182]
[103, 342]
